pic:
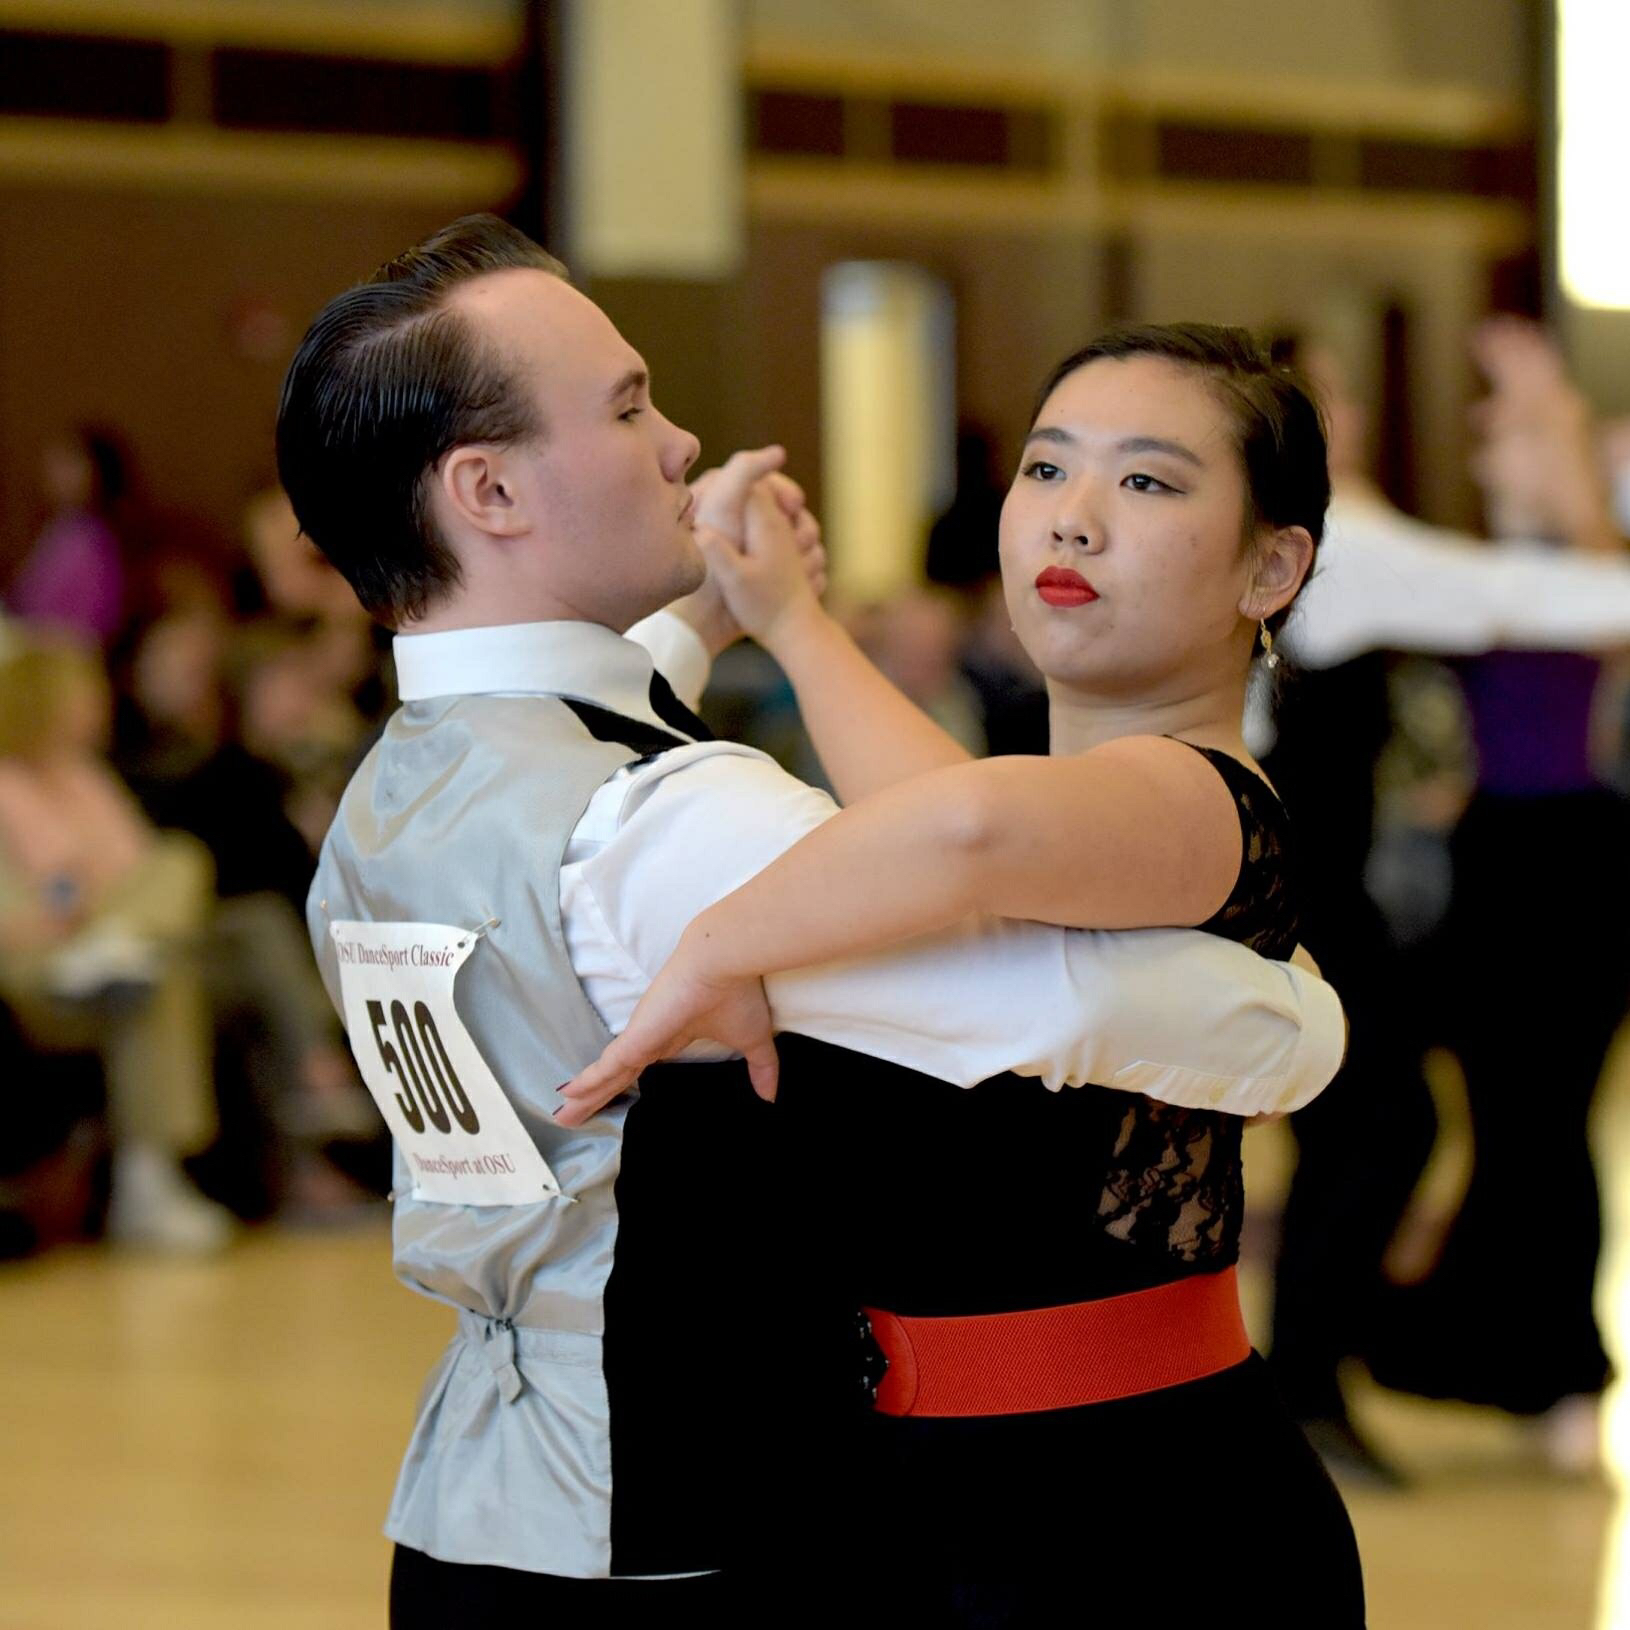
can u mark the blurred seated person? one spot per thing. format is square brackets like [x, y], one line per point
[74, 576]
[347, 650]
[962, 540]
[291, 715]
[237, 734]
[962, 557]
[183, 754]
[101, 925]
[915, 639]
[52, 1102]
[179, 749]
[1012, 696]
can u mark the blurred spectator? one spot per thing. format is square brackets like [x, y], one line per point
[75, 577]
[962, 542]
[1012, 697]
[179, 749]
[347, 650]
[50, 1156]
[292, 716]
[184, 754]
[915, 639]
[962, 555]
[101, 925]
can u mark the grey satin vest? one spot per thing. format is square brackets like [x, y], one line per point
[462, 812]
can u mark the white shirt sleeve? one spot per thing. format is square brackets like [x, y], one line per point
[1387, 582]
[677, 653]
[1182, 1016]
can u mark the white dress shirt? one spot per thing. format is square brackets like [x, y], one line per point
[1186, 1017]
[1386, 582]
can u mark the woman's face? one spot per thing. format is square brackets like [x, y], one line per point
[1122, 553]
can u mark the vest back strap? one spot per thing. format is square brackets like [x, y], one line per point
[1061, 1357]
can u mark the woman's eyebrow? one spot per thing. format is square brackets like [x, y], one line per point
[1158, 444]
[1053, 433]
[1128, 444]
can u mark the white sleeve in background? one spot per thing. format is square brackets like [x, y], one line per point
[1386, 582]
[1179, 1015]
[677, 653]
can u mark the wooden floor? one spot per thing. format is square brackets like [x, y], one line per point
[212, 1445]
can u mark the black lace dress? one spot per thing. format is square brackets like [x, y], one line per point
[1174, 1184]
[1198, 1502]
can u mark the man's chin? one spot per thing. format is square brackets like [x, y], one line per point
[693, 574]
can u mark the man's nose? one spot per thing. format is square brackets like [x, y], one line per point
[680, 450]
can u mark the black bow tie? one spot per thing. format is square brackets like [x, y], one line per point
[674, 713]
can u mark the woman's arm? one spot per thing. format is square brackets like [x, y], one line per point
[867, 734]
[1137, 833]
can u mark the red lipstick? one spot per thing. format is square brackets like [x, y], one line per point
[1059, 586]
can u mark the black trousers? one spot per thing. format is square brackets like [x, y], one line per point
[431, 1595]
[1535, 978]
[1361, 1147]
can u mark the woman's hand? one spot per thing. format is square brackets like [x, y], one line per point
[777, 573]
[722, 503]
[685, 1003]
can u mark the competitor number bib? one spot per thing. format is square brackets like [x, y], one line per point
[460, 1135]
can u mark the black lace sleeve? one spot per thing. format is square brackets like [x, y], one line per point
[1263, 911]
[1174, 1189]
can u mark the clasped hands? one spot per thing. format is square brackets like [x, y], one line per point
[763, 549]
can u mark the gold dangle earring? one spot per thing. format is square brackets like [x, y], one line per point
[1269, 656]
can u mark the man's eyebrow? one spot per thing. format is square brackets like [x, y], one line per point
[634, 380]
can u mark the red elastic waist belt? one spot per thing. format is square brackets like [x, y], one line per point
[1059, 1357]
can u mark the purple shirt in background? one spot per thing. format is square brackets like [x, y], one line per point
[73, 578]
[1531, 718]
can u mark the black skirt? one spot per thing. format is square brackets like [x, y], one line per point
[1197, 1503]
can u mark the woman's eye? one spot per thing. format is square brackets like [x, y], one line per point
[630, 414]
[1139, 482]
[1040, 470]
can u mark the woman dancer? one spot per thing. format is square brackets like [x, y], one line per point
[1071, 1421]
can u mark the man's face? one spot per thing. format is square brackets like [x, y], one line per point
[605, 487]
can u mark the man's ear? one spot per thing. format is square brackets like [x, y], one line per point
[1280, 562]
[479, 491]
